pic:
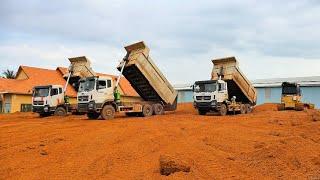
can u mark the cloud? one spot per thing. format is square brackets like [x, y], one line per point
[267, 37]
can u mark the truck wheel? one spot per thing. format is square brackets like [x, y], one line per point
[223, 110]
[158, 109]
[280, 107]
[93, 115]
[201, 112]
[248, 108]
[147, 110]
[107, 112]
[243, 109]
[60, 111]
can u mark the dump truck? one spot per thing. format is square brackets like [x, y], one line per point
[227, 91]
[291, 97]
[99, 96]
[52, 99]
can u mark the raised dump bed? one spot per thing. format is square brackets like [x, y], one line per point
[238, 84]
[146, 78]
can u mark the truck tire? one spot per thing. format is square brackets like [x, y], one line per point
[202, 112]
[158, 109]
[60, 111]
[248, 108]
[107, 112]
[243, 109]
[93, 115]
[223, 110]
[147, 110]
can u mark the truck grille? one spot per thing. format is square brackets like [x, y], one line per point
[203, 97]
[37, 103]
[83, 107]
[83, 98]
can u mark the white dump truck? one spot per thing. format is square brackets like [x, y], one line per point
[227, 91]
[99, 96]
[52, 99]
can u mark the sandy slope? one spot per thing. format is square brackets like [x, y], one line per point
[264, 144]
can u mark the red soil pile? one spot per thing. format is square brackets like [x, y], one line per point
[266, 144]
[266, 107]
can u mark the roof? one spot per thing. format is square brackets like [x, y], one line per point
[35, 77]
[182, 87]
[276, 82]
[40, 76]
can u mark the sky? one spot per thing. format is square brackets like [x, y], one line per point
[270, 39]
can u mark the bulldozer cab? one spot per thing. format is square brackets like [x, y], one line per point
[291, 89]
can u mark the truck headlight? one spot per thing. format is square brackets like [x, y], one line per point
[213, 103]
[46, 108]
[91, 105]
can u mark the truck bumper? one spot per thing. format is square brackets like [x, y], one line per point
[207, 106]
[89, 107]
[42, 109]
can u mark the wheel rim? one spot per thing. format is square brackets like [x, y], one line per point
[159, 109]
[147, 110]
[243, 110]
[109, 113]
[223, 110]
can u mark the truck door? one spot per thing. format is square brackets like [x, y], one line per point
[54, 93]
[104, 91]
[222, 92]
[61, 96]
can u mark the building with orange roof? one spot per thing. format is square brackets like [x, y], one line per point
[16, 94]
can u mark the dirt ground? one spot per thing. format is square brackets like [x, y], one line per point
[265, 144]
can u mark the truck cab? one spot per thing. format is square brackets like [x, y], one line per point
[46, 99]
[94, 92]
[209, 95]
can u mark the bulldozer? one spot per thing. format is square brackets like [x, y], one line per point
[291, 98]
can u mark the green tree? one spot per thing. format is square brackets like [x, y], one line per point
[9, 74]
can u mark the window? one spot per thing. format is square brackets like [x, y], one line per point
[41, 92]
[222, 87]
[54, 92]
[26, 108]
[109, 83]
[102, 84]
[60, 90]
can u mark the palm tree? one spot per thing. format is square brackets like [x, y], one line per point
[9, 74]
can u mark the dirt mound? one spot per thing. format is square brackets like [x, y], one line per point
[314, 114]
[267, 144]
[170, 165]
[266, 107]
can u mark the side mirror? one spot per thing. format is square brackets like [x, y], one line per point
[197, 88]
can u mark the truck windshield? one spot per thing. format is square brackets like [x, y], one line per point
[87, 85]
[211, 87]
[41, 92]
